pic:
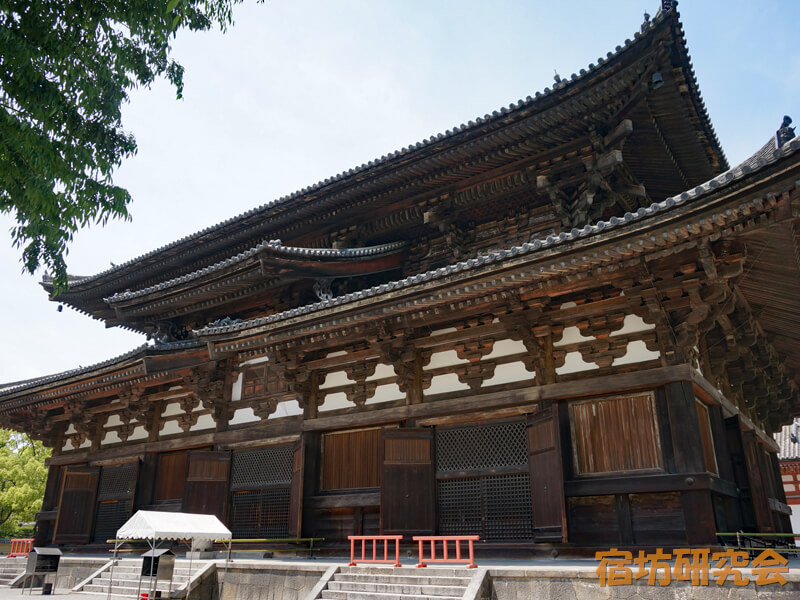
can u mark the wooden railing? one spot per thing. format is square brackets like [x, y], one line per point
[446, 557]
[386, 539]
[20, 547]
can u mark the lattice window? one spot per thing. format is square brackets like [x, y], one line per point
[460, 507]
[111, 516]
[260, 381]
[117, 482]
[494, 507]
[481, 447]
[263, 467]
[260, 513]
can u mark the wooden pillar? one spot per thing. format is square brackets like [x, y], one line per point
[698, 507]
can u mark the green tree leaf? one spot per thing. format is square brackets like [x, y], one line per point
[66, 68]
[23, 476]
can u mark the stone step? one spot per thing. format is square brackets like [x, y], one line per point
[430, 571]
[343, 595]
[397, 588]
[422, 578]
[107, 574]
[125, 590]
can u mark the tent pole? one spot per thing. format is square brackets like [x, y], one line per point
[225, 574]
[111, 571]
[152, 562]
[189, 584]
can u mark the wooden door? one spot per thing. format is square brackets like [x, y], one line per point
[115, 495]
[76, 505]
[206, 490]
[547, 476]
[296, 491]
[758, 491]
[408, 499]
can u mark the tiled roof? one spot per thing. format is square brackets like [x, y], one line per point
[274, 247]
[137, 352]
[765, 156]
[497, 119]
[787, 449]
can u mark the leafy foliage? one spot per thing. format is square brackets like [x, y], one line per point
[22, 480]
[65, 70]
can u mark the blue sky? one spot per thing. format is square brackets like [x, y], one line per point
[298, 91]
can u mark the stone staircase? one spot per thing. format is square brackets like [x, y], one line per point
[408, 583]
[10, 569]
[125, 580]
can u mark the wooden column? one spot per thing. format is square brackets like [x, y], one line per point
[698, 508]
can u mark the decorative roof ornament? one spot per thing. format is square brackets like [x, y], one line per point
[556, 77]
[646, 22]
[785, 133]
[668, 5]
[322, 288]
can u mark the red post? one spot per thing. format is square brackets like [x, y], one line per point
[386, 539]
[457, 539]
[20, 547]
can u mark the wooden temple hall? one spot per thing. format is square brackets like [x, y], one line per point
[569, 324]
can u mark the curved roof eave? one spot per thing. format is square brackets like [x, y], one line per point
[374, 168]
[765, 156]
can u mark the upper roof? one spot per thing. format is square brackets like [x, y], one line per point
[766, 157]
[788, 448]
[685, 128]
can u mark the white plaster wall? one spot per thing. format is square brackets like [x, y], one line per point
[386, 393]
[633, 324]
[204, 422]
[170, 428]
[254, 361]
[335, 354]
[572, 335]
[509, 373]
[243, 415]
[382, 371]
[70, 429]
[447, 358]
[445, 330]
[573, 363]
[171, 409]
[796, 521]
[441, 384]
[113, 420]
[636, 352]
[335, 402]
[138, 434]
[335, 379]
[568, 305]
[111, 437]
[287, 408]
[236, 388]
[507, 347]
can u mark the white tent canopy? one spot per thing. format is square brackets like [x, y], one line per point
[155, 525]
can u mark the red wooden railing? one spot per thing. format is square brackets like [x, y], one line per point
[20, 547]
[446, 557]
[386, 539]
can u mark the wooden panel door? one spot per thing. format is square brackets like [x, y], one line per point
[76, 505]
[408, 499]
[206, 490]
[758, 489]
[296, 491]
[547, 476]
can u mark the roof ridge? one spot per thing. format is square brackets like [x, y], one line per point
[721, 180]
[494, 118]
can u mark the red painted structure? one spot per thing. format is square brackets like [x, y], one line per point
[386, 539]
[20, 547]
[446, 558]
